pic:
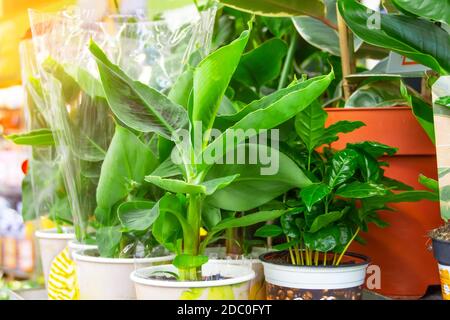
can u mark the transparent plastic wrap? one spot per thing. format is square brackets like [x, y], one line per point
[152, 52]
[44, 194]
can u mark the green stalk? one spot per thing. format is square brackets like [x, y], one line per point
[192, 240]
[346, 247]
[288, 62]
[290, 252]
[297, 254]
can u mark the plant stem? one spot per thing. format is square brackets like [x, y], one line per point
[297, 254]
[290, 252]
[347, 246]
[301, 254]
[347, 53]
[325, 259]
[288, 62]
[316, 258]
[334, 259]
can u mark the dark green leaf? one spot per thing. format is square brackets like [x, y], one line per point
[343, 166]
[360, 190]
[325, 219]
[269, 230]
[437, 10]
[310, 125]
[375, 149]
[313, 194]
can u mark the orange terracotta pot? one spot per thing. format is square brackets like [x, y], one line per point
[401, 250]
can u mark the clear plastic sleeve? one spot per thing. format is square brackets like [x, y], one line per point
[152, 52]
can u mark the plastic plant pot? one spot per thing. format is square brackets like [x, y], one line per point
[109, 278]
[51, 243]
[397, 127]
[441, 251]
[289, 282]
[234, 285]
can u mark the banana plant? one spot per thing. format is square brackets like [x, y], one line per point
[184, 122]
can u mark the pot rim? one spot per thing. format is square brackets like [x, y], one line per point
[53, 234]
[353, 109]
[80, 255]
[136, 278]
[446, 242]
[366, 261]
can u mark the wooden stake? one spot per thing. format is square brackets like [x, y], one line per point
[347, 53]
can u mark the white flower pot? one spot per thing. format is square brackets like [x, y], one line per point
[289, 282]
[74, 246]
[51, 243]
[108, 278]
[235, 286]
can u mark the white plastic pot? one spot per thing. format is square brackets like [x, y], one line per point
[74, 246]
[288, 282]
[51, 243]
[235, 286]
[108, 278]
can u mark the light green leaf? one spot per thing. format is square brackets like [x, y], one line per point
[108, 241]
[211, 79]
[278, 8]
[185, 261]
[214, 185]
[269, 230]
[41, 137]
[429, 183]
[176, 186]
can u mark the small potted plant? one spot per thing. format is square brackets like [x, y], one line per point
[196, 189]
[348, 191]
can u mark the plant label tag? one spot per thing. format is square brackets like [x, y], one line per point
[398, 64]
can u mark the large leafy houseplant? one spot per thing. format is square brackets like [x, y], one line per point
[349, 188]
[196, 189]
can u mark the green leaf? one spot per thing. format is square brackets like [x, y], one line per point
[269, 230]
[292, 224]
[262, 64]
[369, 167]
[444, 101]
[214, 185]
[324, 240]
[272, 113]
[185, 261]
[318, 34]
[417, 39]
[326, 219]
[313, 194]
[167, 169]
[70, 88]
[127, 162]
[211, 216]
[429, 183]
[310, 125]
[331, 133]
[211, 79]
[176, 186]
[395, 184]
[377, 94]
[360, 190]
[135, 104]
[272, 100]
[137, 215]
[182, 89]
[41, 138]
[108, 241]
[343, 166]
[375, 149]
[252, 188]
[437, 10]
[278, 8]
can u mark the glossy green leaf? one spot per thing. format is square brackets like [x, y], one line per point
[343, 167]
[262, 64]
[325, 240]
[325, 219]
[211, 186]
[313, 194]
[438, 10]
[331, 133]
[211, 216]
[127, 162]
[360, 190]
[137, 215]
[310, 125]
[135, 104]
[252, 188]
[211, 79]
[417, 39]
[278, 8]
[36, 138]
[292, 224]
[269, 230]
[369, 167]
[375, 149]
